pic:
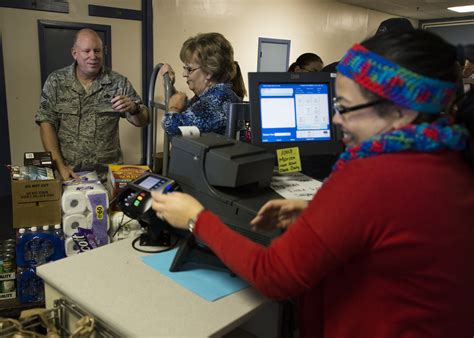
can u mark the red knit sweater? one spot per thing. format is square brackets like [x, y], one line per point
[385, 249]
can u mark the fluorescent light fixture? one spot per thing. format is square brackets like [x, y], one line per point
[462, 9]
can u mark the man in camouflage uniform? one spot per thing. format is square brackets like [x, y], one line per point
[81, 106]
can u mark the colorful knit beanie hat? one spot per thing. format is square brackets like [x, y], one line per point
[402, 86]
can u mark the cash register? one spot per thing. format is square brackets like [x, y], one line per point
[229, 177]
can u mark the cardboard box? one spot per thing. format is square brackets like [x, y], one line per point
[36, 203]
[121, 174]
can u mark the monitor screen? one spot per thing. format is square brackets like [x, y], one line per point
[293, 109]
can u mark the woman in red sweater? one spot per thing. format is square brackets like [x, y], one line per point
[386, 246]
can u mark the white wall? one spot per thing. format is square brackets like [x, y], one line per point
[327, 28]
[22, 69]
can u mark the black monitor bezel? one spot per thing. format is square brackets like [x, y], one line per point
[306, 148]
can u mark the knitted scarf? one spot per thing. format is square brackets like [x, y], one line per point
[424, 137]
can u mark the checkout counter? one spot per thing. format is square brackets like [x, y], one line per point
[113, 283]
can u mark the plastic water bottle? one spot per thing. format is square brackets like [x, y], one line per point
[59, 249]
[41, 246]
[20, 246]
[29, 247]
[20, 234]
[47, 244]
[30, 287]
[31, 251]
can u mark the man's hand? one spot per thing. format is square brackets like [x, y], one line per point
[278, 214]
[176, 208]
[66, 173]
[123, 104]
[177, 102]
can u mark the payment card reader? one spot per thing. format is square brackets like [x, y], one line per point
[135, 199]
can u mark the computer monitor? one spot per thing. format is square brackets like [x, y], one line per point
[293, 109]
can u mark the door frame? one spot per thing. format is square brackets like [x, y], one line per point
[5, 155]
[43, 25]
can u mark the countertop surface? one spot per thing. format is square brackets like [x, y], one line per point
[114, 284]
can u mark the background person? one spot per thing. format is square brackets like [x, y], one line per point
[316, 166]
[394, 26]
[210, 72]
[80, 109]
[238, 85]
[384, 249]
[307, 62]
[466, 60]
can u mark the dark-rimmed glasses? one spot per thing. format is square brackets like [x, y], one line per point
[188, 70]
[339, 108]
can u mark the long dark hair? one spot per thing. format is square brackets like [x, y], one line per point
[428, 54]
[238, 85]
[304, 60]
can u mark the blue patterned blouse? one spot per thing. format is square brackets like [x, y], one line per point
[208, 112]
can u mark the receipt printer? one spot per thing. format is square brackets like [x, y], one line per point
[135, 199]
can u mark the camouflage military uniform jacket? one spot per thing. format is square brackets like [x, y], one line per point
[86, 124]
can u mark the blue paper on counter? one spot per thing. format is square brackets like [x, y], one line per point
[210, 284]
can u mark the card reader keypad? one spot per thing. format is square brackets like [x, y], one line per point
[135, 200]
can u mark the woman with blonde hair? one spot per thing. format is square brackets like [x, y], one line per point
[210, 71]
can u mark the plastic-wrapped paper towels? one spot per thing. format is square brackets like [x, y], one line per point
[81, 196]
[85, 220]
[71, 223]
[122, 226]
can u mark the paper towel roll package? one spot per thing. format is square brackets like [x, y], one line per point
[83, 177]
[80, 243]
[77, 197]
[74, 221]
[97, 203]
[70, 247]
[88, 176]
[73, 201]
[90, 220]
[130, 227]
[91, 194]
[118, 218]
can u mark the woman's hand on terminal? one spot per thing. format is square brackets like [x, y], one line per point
[278, 214]
[176, 208]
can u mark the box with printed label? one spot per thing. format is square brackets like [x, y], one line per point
[121, 174]
[36, 203]
[7, 275]
[7, 295]
[7, 286]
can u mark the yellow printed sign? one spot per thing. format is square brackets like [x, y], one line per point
[289, 160]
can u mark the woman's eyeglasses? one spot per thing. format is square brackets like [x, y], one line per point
[339, 108]
[188, 70]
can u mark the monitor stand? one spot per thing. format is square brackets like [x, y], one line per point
[191, 251]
